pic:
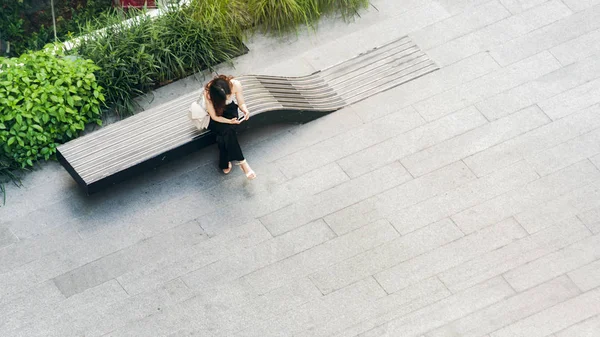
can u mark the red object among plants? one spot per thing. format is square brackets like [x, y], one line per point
[138, 3]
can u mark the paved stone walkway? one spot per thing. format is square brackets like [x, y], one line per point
[465, 203]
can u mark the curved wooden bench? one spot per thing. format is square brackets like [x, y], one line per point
[152, 137]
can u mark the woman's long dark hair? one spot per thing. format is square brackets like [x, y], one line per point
[218, 90]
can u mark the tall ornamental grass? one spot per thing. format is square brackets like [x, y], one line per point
[282, 16]
[231, 16]
[138, 57]
[348, 9]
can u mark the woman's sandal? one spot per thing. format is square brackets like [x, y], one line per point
[250, 173]
[227, 170]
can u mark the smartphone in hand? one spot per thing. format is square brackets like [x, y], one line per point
[241, 115]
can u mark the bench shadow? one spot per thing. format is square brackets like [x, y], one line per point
[193, 174]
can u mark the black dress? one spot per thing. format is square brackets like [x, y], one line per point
[229, 148]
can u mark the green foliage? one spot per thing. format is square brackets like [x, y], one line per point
[7, 174]
[27, 24]
[231, 16]
[138, 57]
[12, 22]
[45, 99]
[346, 8]
[282, 16]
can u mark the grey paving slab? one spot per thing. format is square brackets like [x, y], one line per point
[350, 142]
[405, 195]
[62, 260]
[596, 161]
[399, 304]
[40, 221]
[517, 6]
[322, 256]
[22, 308]
[427, 86]
[555, 318]
[547, 37]
[299, 137]
[137, 307]
[514, 254]
[499, 32]
[113, 265]
[334, 199]
[209, 318]
[572, 100]
[587, 277]
[415, 140]
[74, 312]
[578, 5]
[587, 328]
[542, 89]
[30, 249]
[275, 198]
[321, 311]
[572, 151]
[570, 204]
[181, 314]
[473, 141]
[258, 257]
[591, 219]
[463, 23]
[6, 237]
[457, 6]
[577, 49]
[266, 307]
[463, 197]
[510, 310]
[173, 264]
[488, 85]
[385, 256]
[529, 196]
[445, 311]
[463, 249]
[534, 141]
[554, 264]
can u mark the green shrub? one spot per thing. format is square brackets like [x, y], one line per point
[45, 99]
[152, 51]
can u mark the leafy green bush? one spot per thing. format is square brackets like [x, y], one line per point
[45, 99]
[136, 58]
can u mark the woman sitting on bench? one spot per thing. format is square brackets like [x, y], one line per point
[222, 96]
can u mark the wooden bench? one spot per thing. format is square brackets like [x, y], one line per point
[150, 138]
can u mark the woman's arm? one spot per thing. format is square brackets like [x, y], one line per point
[239, 95]
[213, 115]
